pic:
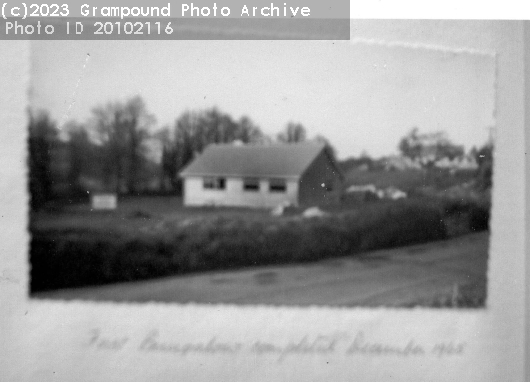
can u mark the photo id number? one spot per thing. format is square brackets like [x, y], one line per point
[132, 28]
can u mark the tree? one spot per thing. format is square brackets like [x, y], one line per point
[484, 158]
[410, 145]
[248, 132]
[294, 133]
[137, 124]
[79, 147]
[42, 136]
[110, 136]
[429, 147]
[194, 130]
[168, 163]
[189, 138]
[214, 126]
[122, 130]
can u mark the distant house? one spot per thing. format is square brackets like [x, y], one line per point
[400, 163]
[363, 192]
[465, 162]
[262, 176]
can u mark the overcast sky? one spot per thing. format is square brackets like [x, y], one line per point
[360, 96]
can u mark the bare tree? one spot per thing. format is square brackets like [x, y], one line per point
[294, 133]
[137, 123]
[194, 130]
[168, 170]
[122, 130]
[79, 147]
[248, 132]
[429, 147]
[42, 136]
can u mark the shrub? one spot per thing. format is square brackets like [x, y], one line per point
[66, 259]
[474, 211]
[479, 217]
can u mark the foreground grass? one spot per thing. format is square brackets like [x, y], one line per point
[463, 295]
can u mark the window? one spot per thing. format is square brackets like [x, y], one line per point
[214, 183]
[251, 184]
[277, 185]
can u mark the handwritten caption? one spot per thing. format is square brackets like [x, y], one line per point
[321, 344]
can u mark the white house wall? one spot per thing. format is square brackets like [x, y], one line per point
[234, 194]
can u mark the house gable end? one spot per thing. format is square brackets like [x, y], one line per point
[321, 182]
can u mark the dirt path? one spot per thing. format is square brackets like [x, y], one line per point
[394, 277]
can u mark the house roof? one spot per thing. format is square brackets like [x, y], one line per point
[280, 160]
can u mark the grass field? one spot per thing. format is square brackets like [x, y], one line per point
[134, 214]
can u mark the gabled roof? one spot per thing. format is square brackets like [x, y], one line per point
[279, 160]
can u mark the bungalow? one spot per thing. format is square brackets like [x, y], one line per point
[262, 176]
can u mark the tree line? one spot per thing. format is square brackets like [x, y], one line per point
[427, 148]
[110, 151]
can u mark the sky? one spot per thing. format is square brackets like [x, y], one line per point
[362, 96]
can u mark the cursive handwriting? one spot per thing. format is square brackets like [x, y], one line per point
[448, 348]
[360, 345]
[153, 344]
[320, 344]
[100, 342]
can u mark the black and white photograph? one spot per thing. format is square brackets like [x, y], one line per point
[278, 173]
[232, 205]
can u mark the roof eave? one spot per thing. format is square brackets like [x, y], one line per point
[190, 175]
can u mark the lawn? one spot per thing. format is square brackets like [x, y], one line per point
[134, 213]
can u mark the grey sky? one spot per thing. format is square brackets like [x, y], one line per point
[360, 96]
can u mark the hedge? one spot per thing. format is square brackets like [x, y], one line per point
[62, 259]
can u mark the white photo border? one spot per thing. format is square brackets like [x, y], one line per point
[52, 337]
